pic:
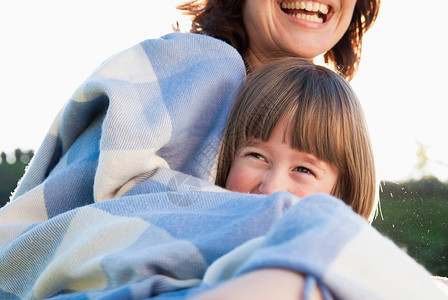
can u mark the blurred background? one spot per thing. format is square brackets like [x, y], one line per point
[50, 46]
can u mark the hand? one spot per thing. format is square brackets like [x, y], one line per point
[264, 284]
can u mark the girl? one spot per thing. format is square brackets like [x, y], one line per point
[299, 127]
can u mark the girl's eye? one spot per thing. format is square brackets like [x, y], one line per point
[303, 170]
[256, 155]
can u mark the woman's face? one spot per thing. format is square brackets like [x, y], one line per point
[303, 28]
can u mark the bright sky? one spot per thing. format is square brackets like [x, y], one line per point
[50, 46]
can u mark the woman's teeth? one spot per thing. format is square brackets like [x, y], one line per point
[307, 5]
[318, 10]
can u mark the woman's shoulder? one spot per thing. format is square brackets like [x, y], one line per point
[169, 54]
[185, 41]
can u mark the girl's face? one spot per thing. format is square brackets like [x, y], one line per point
[267, 167]
[304, 28]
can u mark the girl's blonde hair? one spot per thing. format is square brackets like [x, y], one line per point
[325, 119]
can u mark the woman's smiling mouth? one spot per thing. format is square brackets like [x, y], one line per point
[307, 10]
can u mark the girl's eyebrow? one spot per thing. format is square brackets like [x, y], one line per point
[253, 142]
[304, 156]
[314, 160]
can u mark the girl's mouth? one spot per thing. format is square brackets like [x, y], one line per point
[306, 10]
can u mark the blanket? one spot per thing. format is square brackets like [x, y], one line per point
[117, 202]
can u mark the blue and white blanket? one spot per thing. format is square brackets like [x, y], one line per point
[117, 203]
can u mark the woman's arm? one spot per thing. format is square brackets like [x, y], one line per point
[263, 284]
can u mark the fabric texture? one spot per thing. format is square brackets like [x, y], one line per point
[117, 202]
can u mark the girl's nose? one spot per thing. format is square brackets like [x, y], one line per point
[273, 182]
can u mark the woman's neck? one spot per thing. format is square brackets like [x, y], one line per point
[253, 61]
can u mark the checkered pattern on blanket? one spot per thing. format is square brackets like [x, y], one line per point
[117, 203]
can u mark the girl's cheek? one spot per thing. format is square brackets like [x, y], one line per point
[241, 178]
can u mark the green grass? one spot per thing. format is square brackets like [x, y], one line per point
[417, 224]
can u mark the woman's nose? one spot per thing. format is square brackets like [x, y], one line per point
[273, 182]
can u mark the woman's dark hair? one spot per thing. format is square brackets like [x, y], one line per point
[223, 19]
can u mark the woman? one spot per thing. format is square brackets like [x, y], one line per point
[158, 105]
[262, 29]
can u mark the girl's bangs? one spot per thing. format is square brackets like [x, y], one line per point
[316, 127]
